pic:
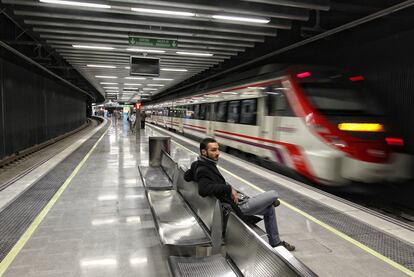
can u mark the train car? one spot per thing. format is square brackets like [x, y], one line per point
[319, 121]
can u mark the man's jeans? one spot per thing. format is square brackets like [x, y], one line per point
[262, 204]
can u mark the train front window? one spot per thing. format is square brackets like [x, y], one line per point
[340, 100]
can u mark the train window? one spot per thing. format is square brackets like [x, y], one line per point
[190, 112]
[221, 112]
[233, 113]
[202, 114]
[341, 99]
[277, 102]
[196, 111]
[248, 111]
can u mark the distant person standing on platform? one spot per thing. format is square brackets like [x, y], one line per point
[132, 120]
[142, 118]
[211, 183]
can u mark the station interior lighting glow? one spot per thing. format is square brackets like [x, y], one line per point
[106, 77]
[75, 3]
[100, 66]
[135, 78]
[167, 12]
[242, 19]
[145, 50]
[194, 54]
[95, 47]
[174, 69]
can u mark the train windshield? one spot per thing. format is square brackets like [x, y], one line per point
[337, 99]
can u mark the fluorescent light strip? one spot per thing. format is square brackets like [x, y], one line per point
[155, 85]
[149, 89]
[162, 12]
[132, 84]
[174, 69]
[127, 67]
[243, 19]
[135, 78]
[162, 79]
[101, 65]
[130, 88]
[194, 54]
[107, 83]
[106, 77]
[92, 47]
[111, 87]
[79, 4]
[145, 50]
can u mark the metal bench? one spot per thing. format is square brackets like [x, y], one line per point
[159, 177]
[183, 218]
[246, 255]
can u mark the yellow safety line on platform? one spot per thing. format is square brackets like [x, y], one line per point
[5, 263]
[324, 225]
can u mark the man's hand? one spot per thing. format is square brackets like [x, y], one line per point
[234, 196]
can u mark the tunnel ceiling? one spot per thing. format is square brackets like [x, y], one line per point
[98, 40]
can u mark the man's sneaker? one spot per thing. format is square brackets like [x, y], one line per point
[288, 246]
[276, 203]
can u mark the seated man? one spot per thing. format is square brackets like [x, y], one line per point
[211, 183]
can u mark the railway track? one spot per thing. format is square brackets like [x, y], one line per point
[19, 165]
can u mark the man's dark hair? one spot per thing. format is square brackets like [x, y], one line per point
[204, 143]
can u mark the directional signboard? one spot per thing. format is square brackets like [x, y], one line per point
[152, 42]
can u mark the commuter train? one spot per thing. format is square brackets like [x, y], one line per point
[321, 122]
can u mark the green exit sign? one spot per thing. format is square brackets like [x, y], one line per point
[152, 42]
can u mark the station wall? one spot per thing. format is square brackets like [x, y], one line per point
[35, 107]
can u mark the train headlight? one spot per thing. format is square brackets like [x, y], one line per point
[361, 127]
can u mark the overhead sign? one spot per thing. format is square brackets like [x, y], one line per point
[152, 42]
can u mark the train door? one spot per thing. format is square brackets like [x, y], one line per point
[276, 105]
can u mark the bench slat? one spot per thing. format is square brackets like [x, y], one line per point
[155, 178]
[176, 224]
[211, 266]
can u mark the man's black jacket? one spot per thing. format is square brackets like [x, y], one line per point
[209, 179]
[212, 183]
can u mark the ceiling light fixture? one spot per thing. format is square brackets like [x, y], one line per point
[174, 69]
[127, 67]
[79, 4]
[93, 47]
[155, 85]
[162, 79]
[132, 84]
[149, 89]
[162, 12]
[194, 54]
[145, 50]
[111, 87]
[105, 77]
[135, 78]
[101, 65]
[243, 19]
[107, 83]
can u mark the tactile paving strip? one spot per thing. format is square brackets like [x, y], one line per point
[17, 216]
[368, 235]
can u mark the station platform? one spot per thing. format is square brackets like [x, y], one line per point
[88, 216]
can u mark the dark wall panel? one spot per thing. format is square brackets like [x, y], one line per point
[388, 66]
[2, 146]
[35, 107]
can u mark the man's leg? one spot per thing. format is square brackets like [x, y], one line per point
[262, 204]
